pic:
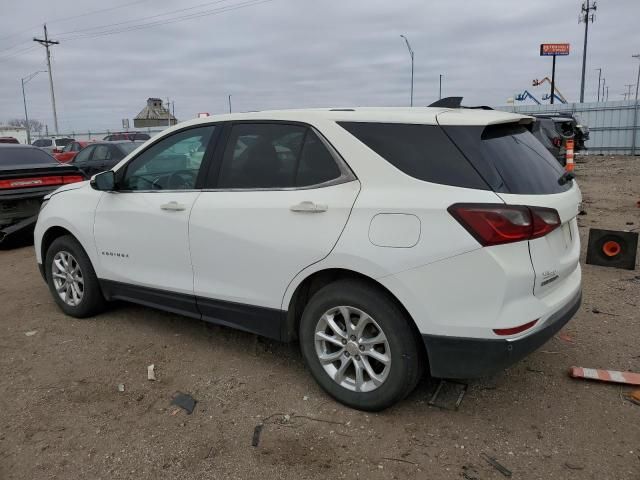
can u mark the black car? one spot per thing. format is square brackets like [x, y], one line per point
[27, 174]
[100, 156]
[553, 139]
[127, 136]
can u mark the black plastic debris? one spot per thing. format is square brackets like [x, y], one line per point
[256, 435]
[184, 401]
[448, 395]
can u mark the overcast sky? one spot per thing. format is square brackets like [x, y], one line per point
[300, 53]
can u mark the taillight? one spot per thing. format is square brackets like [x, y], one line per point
[57, 150]
[557, 142]
[496, 224]
[48, 181]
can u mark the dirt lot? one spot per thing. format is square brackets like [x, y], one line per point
[62, 416]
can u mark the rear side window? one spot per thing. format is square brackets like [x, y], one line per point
[274, 155]
[422, 151]
[509, 158]
[43, 142]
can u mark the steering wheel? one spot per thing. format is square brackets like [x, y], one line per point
[181, 180]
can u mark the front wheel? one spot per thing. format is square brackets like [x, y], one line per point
[71, 278]
[359, 345]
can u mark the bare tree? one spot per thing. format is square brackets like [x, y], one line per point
[35, 125]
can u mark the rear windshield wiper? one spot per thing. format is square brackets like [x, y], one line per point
[566, 178]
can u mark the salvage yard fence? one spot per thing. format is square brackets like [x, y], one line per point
[611, 124]
[98, 135]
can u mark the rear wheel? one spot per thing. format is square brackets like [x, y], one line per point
[359, 345]
[71, 278]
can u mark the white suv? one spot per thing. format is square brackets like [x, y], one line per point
[386, 241]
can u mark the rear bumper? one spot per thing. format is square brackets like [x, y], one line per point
[459, 357]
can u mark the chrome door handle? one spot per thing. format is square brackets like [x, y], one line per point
[309, 207]
[173, 207]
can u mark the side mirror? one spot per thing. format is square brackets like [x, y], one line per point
[104, 181]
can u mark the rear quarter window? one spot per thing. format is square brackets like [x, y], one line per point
[509, 158]
[421, 151]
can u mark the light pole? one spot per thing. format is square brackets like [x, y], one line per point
[411, 54]
[24, 80]
[599, 77]
[440, 89]
[635, 111]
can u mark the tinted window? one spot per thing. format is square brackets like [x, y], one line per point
[63, 142]
[68, 148]
[102, 153]
[140, 136]
[24, 156]
[316, 165]
[275, 156]
[509, 158]
[261, 156]
[127, 148]
[84, 154]
[43, 142]
[170, 164]
[422, 151]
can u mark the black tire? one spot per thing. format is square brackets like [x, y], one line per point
[92, 301]
[406, 353]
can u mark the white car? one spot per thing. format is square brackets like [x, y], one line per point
[52, 145]
[386, 241]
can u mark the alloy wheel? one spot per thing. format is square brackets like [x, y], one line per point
[352, 349]
[67, 278]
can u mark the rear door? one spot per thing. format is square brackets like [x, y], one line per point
[522, 172]
[278, 199]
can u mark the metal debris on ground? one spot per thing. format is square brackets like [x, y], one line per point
[256, 435]
[121, 387]
[31, 333]
[573, 466]
[151, 374]
[497, 465]
[627, 378]
[446, 392]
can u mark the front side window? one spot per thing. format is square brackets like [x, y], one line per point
[102, 153]
[84, 154]
[172, 163]
[272, 155]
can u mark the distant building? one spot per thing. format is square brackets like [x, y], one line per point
[154, 115]
[19, 133]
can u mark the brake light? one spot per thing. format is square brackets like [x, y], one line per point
[557, 142]
[497, 224]
[48, 181]
[57, 150]
[514, 330]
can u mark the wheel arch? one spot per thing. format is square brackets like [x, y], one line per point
[48, 238]
[317, 280]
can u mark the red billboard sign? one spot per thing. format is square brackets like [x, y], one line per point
[547, 49]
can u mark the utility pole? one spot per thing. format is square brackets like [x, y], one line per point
[411, 54]
[229, 103]
[25, 80]
[629, 86]
[168, 112]
[585, 16]
[47, 43]
[634, 131]
[604, 81]
[607, 94]
[599, 75]
[440, 90]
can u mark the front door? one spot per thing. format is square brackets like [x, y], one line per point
[278, 204]
[141, 230]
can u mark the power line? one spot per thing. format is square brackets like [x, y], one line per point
[64, 19]
[249, 3]
[171, 12]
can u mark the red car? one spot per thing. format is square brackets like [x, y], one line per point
[70, 151]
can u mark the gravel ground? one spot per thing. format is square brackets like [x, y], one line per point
[62, 416]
